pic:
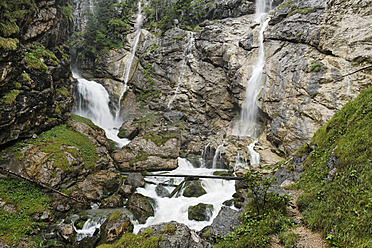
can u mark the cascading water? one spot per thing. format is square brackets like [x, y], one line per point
[255, 156]
[183, 67]
[216, 156]
[247, 124]
[92, 102]
[128, 66]
[218, 191]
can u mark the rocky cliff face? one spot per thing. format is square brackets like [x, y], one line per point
[35, 69]
[316, 60]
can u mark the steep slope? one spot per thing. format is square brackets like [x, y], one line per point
[338, 175]
[35, 83]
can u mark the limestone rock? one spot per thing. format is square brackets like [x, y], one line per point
[116, 225]
[135, 180]
[225, 222]
[181, 236]
[200, 212]
[193, 189]
[67, 232]
[140, 206]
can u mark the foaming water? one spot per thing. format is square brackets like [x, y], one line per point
[176, 208]
[92, 102]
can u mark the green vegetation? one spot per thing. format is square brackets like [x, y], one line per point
[58, 141]
[28, 200]
[288, 239]
[265, 214]
[8, 44]
[26, 78]
[341, 207]
[85, 121]
[37, 57]
[161, 14]
[141, 157]
[314, 67]
[106, 29]
[303, 11]
[159, 139]
[10, 97]
[170, 229]
[67, 12]
[145, 240]
[12, 13]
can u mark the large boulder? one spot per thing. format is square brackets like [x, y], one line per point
[193, 189]
[116, 225]
[140, 206]
[200, 212]
[177, 235]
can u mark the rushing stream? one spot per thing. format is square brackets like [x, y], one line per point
[176, 208]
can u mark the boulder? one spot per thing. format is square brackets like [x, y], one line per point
[177, 235]
[140, 206]
[126, 190]
[200, 212]
[193, 189]
[135, 180]
[161, 191]
[114, 201]
[115, 226]
[79, 222]
[67, 232]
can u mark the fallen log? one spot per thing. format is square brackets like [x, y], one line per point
[191, 177]
[38, 184]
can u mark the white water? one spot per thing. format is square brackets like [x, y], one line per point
[255, 156]
[128, 66]
[216, 156]
[91, 6]
[92, 102]
[176, 208]
[89, 227]
[190, 42]
[248, 124]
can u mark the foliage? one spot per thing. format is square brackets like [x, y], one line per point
[28, 200]
[342, 206]
[106, 29]
[314, 67]
[162, 13]
[265, 214]
[288, 239]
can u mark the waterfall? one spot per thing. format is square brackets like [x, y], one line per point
[248, 116]
[92, 102]
[133, 49]
[255, 156]
[203, 158]
[188, 48]
[91, 6]
[216, 156]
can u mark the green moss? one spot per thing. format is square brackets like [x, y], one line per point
[10, 97]
[207, 234]
[303, 11]
[67, 12]
[141, 157]
[85, 121]
[114, 216]
[342, 206]
[17, 85]
[63, 91]
[26, 78]
[314, 67]
[159, 139]
[36, 55]
[8, 44]
[28, 200]
[170, 229]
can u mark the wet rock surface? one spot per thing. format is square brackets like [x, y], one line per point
[140, 206]
[117, 224]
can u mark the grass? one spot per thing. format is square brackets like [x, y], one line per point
[29, 201]
[341, 208]
[37, 55]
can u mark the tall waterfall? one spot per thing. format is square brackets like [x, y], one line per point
[128, 66]
[190, 42]
[248, 125]
[92, 102]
